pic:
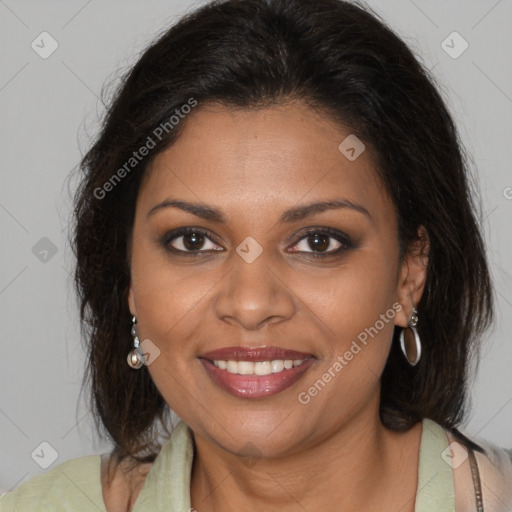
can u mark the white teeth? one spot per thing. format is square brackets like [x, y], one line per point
[232, 366]
[258, 367]
[277, 366]
[245, 367]
[262, 368]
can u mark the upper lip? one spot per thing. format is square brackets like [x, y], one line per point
[267, 353]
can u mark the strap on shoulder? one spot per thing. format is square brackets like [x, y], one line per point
[476, 480]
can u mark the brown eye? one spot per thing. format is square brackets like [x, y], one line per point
[318, 242]
[322, 242]
[193, 241]
[190, 240]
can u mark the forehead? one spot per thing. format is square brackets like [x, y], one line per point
[265, 158]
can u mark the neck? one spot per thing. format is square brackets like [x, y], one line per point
[337, 473]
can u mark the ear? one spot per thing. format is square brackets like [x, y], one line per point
[131, 302]
[412, 277]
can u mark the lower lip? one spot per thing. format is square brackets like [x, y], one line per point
[255, 386]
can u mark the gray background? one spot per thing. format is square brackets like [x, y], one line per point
[49, 110]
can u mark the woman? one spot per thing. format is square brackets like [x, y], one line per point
[278, 207]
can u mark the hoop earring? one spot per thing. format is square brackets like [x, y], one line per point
[134, 359]
[410, 340]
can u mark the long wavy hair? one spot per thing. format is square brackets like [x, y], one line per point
[341, 59]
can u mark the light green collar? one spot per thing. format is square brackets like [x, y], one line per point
[167, 485]
[435, 477]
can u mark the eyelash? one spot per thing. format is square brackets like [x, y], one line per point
[342, 238]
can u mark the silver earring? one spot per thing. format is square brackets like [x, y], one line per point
[134, 359]
[410, 340]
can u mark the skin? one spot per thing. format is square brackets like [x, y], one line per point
[253, 165]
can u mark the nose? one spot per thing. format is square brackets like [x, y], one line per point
[253, 295]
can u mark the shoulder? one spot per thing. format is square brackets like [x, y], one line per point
[72, 485]
[494, 472]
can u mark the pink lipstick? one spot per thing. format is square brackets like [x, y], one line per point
[255, 372]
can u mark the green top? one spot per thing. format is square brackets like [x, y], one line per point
[75, 485]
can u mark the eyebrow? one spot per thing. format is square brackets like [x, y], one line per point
[294, 214]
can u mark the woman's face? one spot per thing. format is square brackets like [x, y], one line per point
[256, 278]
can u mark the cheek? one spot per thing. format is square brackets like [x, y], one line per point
[168, 297]
[356, 303]
[354, 295]
[169, 301]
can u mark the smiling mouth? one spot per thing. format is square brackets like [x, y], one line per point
[255, 372]
[258, 367]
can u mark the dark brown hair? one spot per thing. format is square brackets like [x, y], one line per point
[341, 59]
